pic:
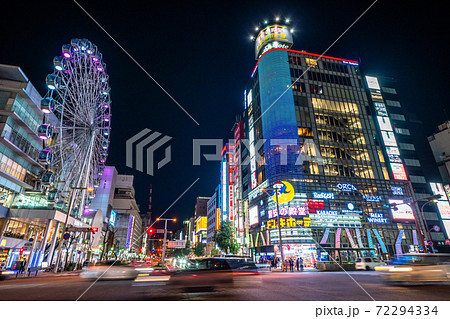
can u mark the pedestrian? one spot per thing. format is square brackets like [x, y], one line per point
[298, 263]
[291, 265]
[301, 263]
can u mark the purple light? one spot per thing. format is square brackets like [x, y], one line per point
[95, 59]
[66, 54]
[46, 111]
[102, 160]
[106, 106]
[99, 68]
[43, 137]
[106, 119]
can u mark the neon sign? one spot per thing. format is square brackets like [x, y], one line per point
[346, 187]
[372, 198]
[289, 222]
[403, 210]
[253, 215]
[327, 212]
[272, 33]
[397, 190]
[288, 211]
[323, 195]
[377, 218]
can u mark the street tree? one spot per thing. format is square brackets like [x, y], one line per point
[199, 249]
[225, 238]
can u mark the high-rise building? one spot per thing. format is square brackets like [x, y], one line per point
[312, 136]
[213, 218]
[440, 145]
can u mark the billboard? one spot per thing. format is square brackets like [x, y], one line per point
[273, 33]
[403, 212]
[253, 215]
[112, 218]
[372, 82]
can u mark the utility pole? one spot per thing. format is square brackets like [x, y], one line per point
[165, 236]
[279, 230]
[71, 200]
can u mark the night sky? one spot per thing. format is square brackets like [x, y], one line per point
[200, 52]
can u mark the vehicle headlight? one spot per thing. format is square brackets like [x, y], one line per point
[401, 269]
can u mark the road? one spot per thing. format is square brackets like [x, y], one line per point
[318, 286]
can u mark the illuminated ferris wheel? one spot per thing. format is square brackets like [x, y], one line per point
[76, 127]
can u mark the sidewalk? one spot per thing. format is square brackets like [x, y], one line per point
[42, 274]
[295, 270]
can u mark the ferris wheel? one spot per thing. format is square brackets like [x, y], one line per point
[76, 128]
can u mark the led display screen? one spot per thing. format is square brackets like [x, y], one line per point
[403, 212]
[253, 215]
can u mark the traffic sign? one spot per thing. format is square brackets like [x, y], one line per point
[66, 236]
[430, 243]
[159, 231]
[79, 252]
[408, 200]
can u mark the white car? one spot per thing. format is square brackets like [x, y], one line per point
[420, 268]
[368, 263]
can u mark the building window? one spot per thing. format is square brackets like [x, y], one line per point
[412, 162]
[402, 131]
[311, 62]
[389, 90]
[407, 146]
[305, 131]
[398, 117]
[417, 179]
[393, 103]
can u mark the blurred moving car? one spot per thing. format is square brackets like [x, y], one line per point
[419, 268]
[368, 263]
[110, 270]
[212, 274]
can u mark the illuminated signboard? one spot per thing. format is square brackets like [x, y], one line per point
[447, 226]
[351, 209]
[313, 206]
[323, 195]
[389, 138]
[380, 108]
[327, 212]
[289, 222]
[224, 187]
[253, 215]
[217, 218]
[112, 218]
[201, 224]
[385, 123]
[288, 211]
[230, 186]
[397, 190]
[438, 189]
[279, 33]
[403, 212]
[447, 191]
[392, 150]
[346, 187]
[130, 232]
[285, 192]
[372, 198]
[372, 83]
[377, 218]
[444, 209]
[399, 171]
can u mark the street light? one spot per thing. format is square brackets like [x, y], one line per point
[278, 222]
[58, 258]
[165, 236]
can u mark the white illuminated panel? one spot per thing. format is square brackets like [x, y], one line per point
[249, 98]
[444, 209]
[447, 226]
[389, 138]
[403, 212]
[385, 123]
[253, 215]
[399, 171]
[372, 82]
[392, 150]
[438, 189]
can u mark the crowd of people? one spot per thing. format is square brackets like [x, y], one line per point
[290, 263]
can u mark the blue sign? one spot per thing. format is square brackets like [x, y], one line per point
[112, 218]
[323, 195]
[397, 190]
[66, 236]
[377, 218]
[372, 198]
[346, 187]
[327, 212]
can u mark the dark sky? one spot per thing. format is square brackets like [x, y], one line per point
[200, 52]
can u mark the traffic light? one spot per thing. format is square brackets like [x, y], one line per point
[150, 231]
[21, 250]
[93, 229]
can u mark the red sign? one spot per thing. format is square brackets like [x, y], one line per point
[314, 205]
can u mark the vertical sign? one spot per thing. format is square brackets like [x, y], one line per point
[230, 186]
[338, 238]
[398, 243]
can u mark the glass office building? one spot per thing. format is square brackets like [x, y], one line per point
[310, 125]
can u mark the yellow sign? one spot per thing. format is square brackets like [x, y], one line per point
[289, 222]
[201, 224]
[285, 192]
[3, 242]
[218, 216]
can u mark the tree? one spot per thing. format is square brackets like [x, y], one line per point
[199, 249]
[225, 238]
[214, 252]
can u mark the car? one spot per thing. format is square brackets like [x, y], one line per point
[110, 270]
[368, 263]
[215, 274]
[419, 268]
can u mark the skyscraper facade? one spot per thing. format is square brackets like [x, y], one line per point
[312, 136]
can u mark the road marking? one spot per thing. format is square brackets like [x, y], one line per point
[20, 286]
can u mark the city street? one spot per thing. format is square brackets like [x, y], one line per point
[304, 286]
